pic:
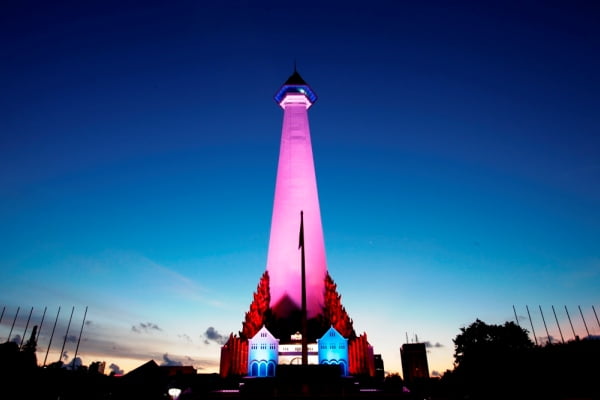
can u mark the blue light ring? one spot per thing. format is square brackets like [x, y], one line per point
[304, 89]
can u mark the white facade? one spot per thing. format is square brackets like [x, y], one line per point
[333, 349]
[292, 353]
[263, 352]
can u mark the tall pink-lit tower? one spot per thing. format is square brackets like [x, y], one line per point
[296, 191]
[277, 304]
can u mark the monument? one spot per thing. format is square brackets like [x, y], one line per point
[296, 315]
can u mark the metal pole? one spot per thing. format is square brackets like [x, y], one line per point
[41, 323]
[80, 332]
[559, 330]
[516, 318]
[573, 329]
[13, 324]
[26, 326]
[51, 335]
[2, 315]
[66, 334]
[531, 322]
[304, 322]
[543, 319]
[598, 321]
[584, 324]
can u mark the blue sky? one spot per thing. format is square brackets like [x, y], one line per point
[456, 146]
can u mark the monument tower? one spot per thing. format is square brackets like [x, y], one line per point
[296, 191]
[287, 309]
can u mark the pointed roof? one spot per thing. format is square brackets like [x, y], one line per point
[267, 335]
[295, 84]
[295, 79]
[332, 335]
[147, 371]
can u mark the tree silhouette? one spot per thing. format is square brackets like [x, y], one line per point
[480, 340]
[492, 361]
[501, 362]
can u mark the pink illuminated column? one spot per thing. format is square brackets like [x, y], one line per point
[295, 191]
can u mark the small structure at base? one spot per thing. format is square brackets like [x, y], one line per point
[263, 352]
[333, 350]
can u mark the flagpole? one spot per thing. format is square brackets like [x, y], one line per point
[25, 332]
[80, 333]
[66, 335]
[13, 324]
[41, 324]
[559, 330]
[304, 323]
[51, 336]
[531, 322]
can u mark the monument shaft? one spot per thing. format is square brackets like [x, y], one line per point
[296, 191]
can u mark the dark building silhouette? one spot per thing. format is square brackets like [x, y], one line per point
[414, 361]
[379, 369]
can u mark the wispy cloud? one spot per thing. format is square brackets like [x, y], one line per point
[199, 364]
[175, 360]
[581, 271]
[436, 345]
[146, 327]
[182, 286]
[185, 338]
[100, 269]
[71, 338]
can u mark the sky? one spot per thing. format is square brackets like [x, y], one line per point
[456, 146]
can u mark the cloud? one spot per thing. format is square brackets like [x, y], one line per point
[185, 337]
[437, 345]
[114, 369]
[71, 338]
[147, 327]
[435, 374]
[212, 335]
[178, 360]
[74, 364]
[16, 339]
[170, 363]
[190, 360]
[112, 345]
[143, 276]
